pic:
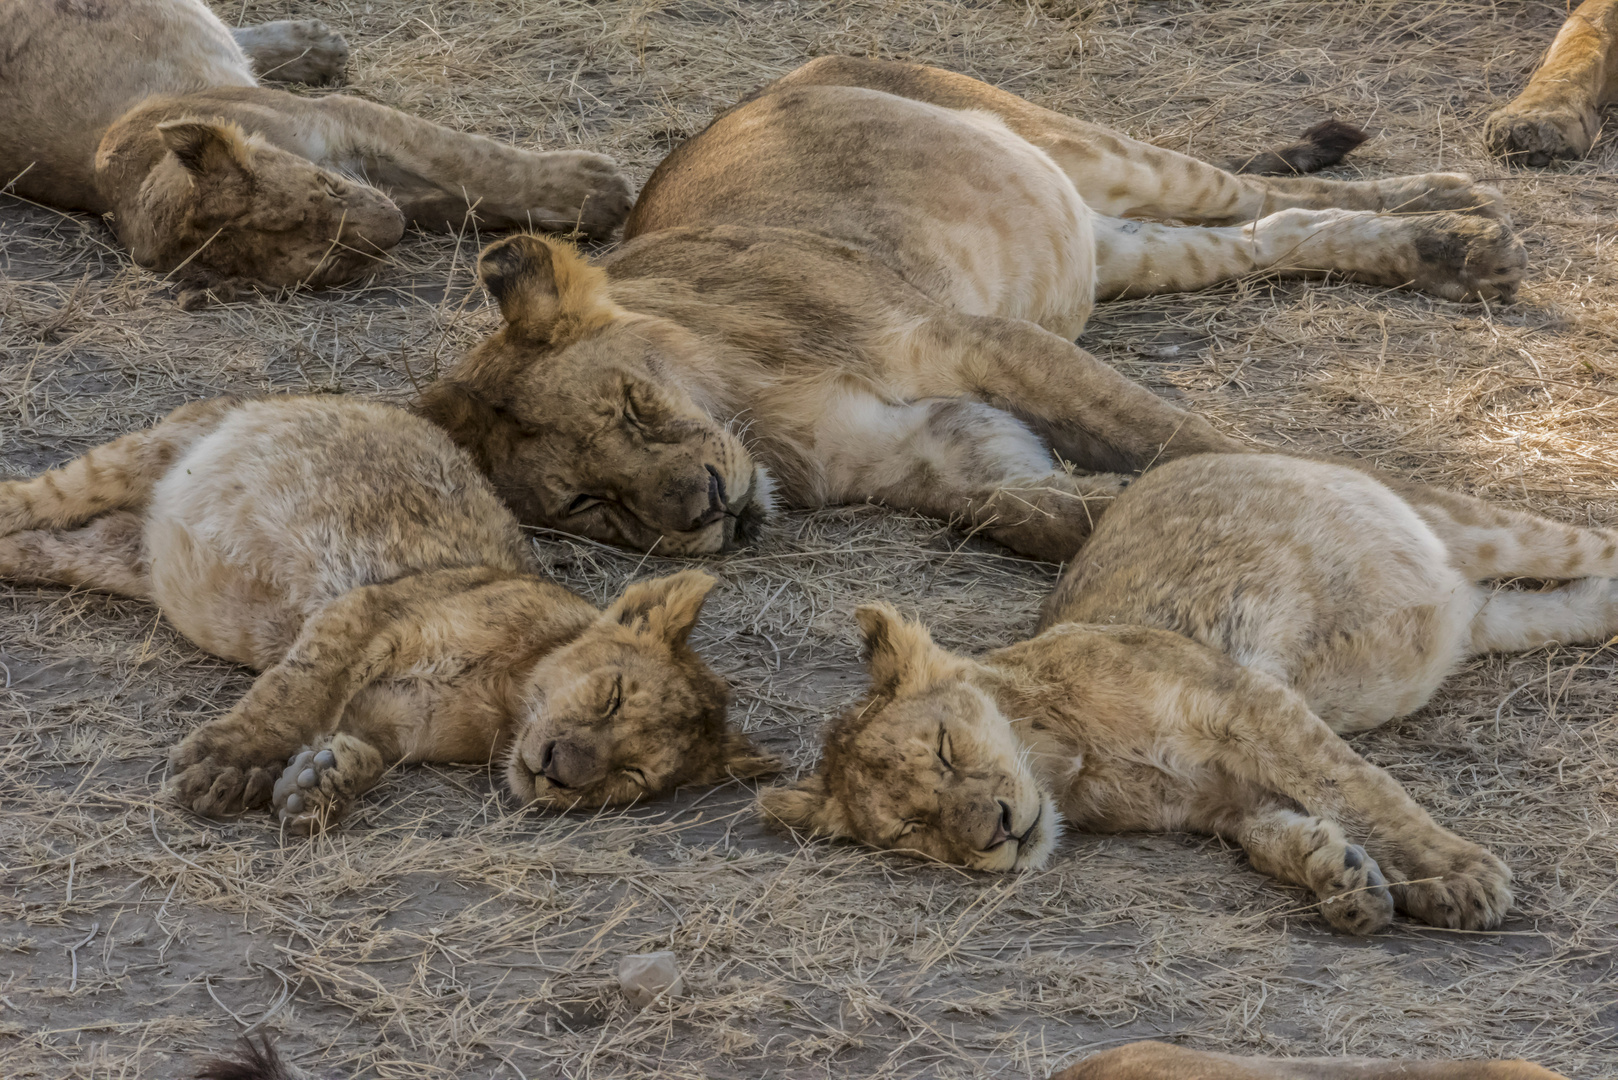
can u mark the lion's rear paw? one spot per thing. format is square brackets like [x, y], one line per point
[1538, 135]
[1466, 257]
[1455, 192]
[596, 194]
[295, 50]
[1357, 900]
[1469, 890]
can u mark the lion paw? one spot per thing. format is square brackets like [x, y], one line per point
[1356, 898]
[1538, 135]
[295, 50]
[1469, 890]
[317, 785]
[1466, 257]
[218, 788]
[598, 196]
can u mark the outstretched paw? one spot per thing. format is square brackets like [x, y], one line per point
[1468, 889]
[217, 788]
[1355, 898]
[1466, 257]
[295, 50]
[317, 785]
[591, 194]
[1539, 134]
[1432, 193]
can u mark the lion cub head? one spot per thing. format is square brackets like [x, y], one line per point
[627, 710]
[927, 764]
[225, 205]
[576, 411]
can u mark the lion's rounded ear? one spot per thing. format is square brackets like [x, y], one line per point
[669, 605]
[897, 651]
[546, 290]
[205, 149]
[805, 806]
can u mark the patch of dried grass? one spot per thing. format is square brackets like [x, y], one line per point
[442, 934]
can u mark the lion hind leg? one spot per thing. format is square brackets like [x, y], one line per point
[1488, 541]
[1512, 621]
[109, 554]
[119, 475]
[1312, 852]
[294, 50]
[1558, 114]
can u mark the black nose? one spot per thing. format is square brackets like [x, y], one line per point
[1002, 828]
[548, 767]
[717, 499]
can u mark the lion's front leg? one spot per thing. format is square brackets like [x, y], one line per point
[230, 764]
[294, 50]
[1312, 852]
[441, 178]
[1264, 734]
[1558, 114]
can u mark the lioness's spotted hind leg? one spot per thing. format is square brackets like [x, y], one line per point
[321, 781]
[119, 475]
[109, 554]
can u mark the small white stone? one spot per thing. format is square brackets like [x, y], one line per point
[647, 975]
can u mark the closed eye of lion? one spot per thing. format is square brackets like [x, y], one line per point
[867, 279]
[355, 558]
[1229, 617]
[210, 176]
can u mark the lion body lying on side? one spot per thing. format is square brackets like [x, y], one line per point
[866, 280]
[352, 555]
[1229, 617]
[150, 111]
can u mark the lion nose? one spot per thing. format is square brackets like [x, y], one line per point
[566, 764]
[717, 502]
[1002, 827]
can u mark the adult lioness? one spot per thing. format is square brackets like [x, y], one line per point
[1559, 113]
[1227, 618]
[350, 553]
[148, 110]
[866, 279]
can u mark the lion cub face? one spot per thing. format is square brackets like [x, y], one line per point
[927, 764]
[234, 206]
[576, 411]
[627, 710]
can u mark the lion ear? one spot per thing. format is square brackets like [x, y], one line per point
[669, 605]
[548, 293]
[471, 422]
[898, 652]
[216, 157]
[805, 806]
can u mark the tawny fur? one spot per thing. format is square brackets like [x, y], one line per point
[355, 557]
[206, 172]
[1558, 115]
[1161, 1061]
[871, 273]
[1229, 617]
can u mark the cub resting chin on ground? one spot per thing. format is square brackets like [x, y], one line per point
[149, 110]
[1230, 615]
[867, 280]
[349, 552]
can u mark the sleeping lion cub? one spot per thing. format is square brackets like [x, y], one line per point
[1229, 616]
[150, 111]
[352, 555]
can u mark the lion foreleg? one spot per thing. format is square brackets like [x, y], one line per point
[1262, 733]
[442, 179]
[1312, 852]
[294, 50]
[1558, 114]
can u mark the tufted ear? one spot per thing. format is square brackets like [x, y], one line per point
[669, 605]
[483, 431]
[548, 293]
[805, 806]
[216, 157]
[898, 652]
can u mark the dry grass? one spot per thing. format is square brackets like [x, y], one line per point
[441, 934]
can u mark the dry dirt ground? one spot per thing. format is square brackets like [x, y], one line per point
[444, 934]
